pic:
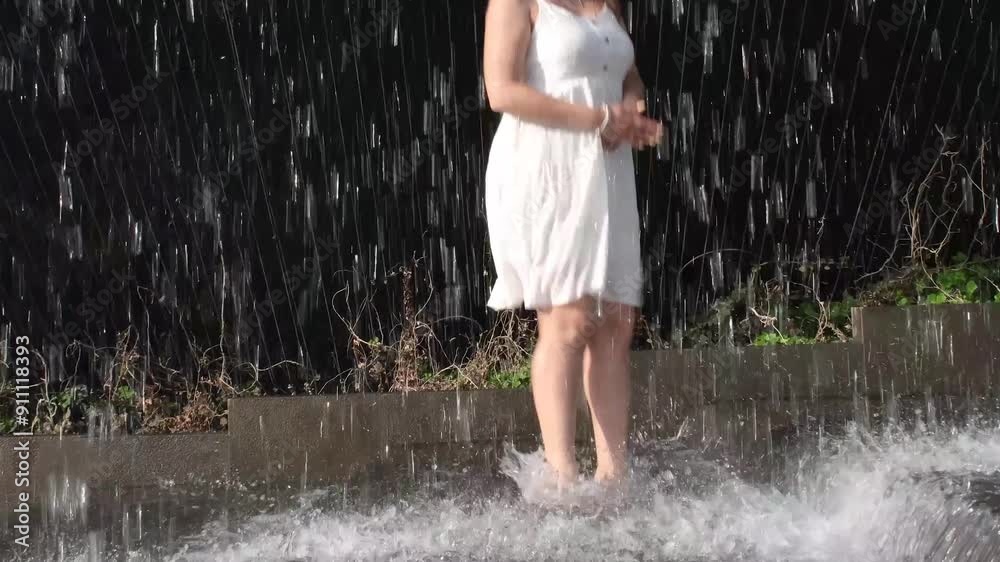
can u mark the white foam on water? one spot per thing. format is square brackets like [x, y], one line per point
[539, 486]
[857, 498]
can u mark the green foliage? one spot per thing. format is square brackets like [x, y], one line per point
[936, 298]
[774, 338]
[59, 411]
[902, 299]
[451, 374]
[962, 282]
[806, 317]
[840, 311]
[6, 425]
[515, 378]
[125, 396]
[70, 398]
[800, 318]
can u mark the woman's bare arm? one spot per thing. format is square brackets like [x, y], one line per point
[508, 34]
[634, 90]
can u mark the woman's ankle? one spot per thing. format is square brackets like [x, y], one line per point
[566, 473]
[611, 472]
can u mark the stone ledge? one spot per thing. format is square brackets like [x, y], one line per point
[938, 350]
[69, 463]
[344, 434]
[692, 377]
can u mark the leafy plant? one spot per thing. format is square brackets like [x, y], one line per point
[937, 298]
[428, 375]
[961, 283]
[59, 411]
[6, 425]
[69, 398]
[516, 378]
[840, 311]
[804, 318]
[124, 396]
[774, 338]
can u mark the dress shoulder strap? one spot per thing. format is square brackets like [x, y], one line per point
[543, 7]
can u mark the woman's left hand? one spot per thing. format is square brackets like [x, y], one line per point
[640, 136]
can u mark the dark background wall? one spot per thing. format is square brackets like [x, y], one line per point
[253, 176]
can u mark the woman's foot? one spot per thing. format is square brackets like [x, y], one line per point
[614, 482]
[611, 470]
[566, 476]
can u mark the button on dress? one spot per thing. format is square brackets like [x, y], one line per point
[562, 212]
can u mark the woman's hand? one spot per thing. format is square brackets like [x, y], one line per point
[651, 132]
[627, 124]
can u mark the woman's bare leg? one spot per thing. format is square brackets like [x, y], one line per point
[607, 386]
[556, 368]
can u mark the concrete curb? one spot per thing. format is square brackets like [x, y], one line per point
[916, 351]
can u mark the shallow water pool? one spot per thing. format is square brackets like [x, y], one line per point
[919, 494]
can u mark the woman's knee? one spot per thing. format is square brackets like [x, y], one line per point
[625, 322]
[569, 326]
[620, 324]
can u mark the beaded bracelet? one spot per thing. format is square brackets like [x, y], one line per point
[607, 119]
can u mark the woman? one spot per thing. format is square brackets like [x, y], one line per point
[562, 211]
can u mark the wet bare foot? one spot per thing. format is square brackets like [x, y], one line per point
[566, 477]
[614, 483]
[611, 476]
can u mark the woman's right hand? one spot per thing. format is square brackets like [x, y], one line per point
[627, 124]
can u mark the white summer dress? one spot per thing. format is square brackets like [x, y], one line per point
[562, 212]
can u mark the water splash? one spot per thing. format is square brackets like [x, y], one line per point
[539, 486]
[923, 495]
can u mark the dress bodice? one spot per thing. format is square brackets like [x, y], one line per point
[568, 50]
